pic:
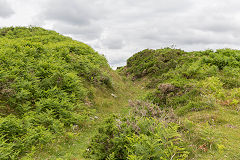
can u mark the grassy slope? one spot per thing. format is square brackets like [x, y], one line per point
[45, 58]
[211, 129]
[226, 128]
[211, 76]
[47, 82]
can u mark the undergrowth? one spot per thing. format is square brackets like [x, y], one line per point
[192, 84]
[186, 81]
[45, 81]
[54, 92]
[144, 134]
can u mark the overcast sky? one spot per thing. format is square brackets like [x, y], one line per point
[118, 29]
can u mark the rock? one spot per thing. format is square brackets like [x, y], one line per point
[114, 95]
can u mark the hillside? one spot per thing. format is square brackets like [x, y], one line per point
[47, 86]
[203, 89]
[59, 99]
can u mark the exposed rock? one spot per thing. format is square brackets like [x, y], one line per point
[114, 95]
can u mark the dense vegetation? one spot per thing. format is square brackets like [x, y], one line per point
[57, 97]
[147, 133]
[188, 81]
[194, 81]
[45, 79]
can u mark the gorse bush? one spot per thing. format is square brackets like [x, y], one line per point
[44, 82]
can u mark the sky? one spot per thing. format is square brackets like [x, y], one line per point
[118, 29]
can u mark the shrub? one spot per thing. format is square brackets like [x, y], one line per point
[45, 79]
[147, 109]
[153, 62]
[136, 138]
[147, 133]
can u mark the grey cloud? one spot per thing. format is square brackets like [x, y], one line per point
[117, 62]
[84, 32]
[75, 12]
[171, 6]
[113, 43]
[120, 28]
[5, 9]
[117, 57]
[76, 17]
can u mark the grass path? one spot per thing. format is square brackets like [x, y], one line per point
[72, 147]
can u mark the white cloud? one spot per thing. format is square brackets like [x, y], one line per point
[118, 29]
[5, 9]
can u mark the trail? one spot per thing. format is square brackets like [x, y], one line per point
[107, 102]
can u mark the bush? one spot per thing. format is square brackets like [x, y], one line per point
[153, 62]
[147, 133]
[136, 138]
[150, 110]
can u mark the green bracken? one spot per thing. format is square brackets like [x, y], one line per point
[45, 80]
[57, 96]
